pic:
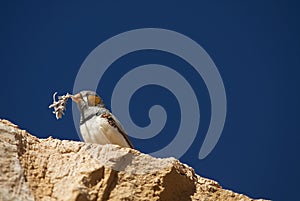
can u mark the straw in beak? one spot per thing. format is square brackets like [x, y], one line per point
[77, 98]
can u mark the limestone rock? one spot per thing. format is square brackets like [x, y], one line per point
[51, 169]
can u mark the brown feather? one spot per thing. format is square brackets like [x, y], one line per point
[112, 122]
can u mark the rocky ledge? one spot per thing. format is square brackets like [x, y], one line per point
[51, 169]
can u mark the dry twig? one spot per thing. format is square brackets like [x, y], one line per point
[60, 105]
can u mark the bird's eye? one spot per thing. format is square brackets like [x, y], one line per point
[93, 100]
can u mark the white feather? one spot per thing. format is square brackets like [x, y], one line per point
[98, 130]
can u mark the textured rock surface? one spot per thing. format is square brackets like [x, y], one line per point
[51, 169]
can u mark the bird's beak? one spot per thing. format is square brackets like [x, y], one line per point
[77, 98]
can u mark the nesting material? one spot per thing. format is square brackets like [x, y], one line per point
[60, 105]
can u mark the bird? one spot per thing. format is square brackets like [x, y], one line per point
[97, 124]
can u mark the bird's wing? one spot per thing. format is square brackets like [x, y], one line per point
[122, 130]
[112, 120]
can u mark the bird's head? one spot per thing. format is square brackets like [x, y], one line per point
[87, 99]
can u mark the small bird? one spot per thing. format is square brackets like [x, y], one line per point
[98, 124]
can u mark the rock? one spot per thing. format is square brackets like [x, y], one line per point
[51, 169]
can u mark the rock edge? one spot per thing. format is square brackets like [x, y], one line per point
[52, 169]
